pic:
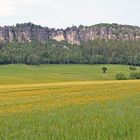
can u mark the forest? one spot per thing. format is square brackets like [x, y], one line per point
[99, 51]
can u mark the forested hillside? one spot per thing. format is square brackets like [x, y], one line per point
[53, 52]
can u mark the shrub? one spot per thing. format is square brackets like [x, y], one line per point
[132, 68]
[135, 75]
[120, 76]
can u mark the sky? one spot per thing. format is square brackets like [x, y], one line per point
[64, 13]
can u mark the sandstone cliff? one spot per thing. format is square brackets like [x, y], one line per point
[75, 35]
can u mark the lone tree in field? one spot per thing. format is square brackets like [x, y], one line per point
[104, 69]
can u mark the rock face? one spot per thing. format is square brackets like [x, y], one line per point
[29, 32]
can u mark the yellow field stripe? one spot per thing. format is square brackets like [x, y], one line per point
[68, 83]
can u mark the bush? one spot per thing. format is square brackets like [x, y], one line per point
[132, 68]
[135, 75]
[120, 76]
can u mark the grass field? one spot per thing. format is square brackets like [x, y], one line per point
[19, 74]
[68, 102]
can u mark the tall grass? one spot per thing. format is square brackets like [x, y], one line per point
[97, 121]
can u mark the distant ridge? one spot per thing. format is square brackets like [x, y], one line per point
[28, 32]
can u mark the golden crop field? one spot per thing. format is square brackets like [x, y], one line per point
[18, 98]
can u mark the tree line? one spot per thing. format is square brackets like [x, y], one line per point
[53, 52]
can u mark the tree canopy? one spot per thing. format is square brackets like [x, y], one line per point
[53, 52]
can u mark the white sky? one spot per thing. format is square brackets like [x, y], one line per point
[63, 13]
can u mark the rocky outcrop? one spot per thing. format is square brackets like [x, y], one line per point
[29, 32]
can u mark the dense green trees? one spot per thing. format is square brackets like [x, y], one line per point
[92, 52]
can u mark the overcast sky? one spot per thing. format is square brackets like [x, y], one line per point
[63, 13]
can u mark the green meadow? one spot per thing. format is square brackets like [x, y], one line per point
[68, 102]
[24, 74]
